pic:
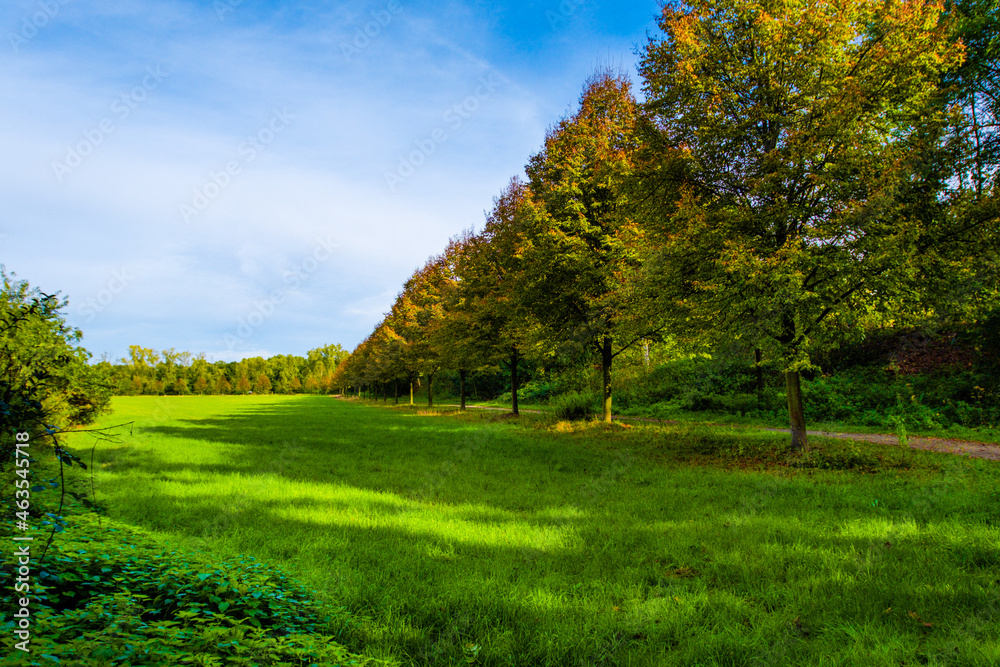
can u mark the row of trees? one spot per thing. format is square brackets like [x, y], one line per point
[149, 372]
[798, 173]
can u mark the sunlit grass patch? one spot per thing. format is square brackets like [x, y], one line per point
[512, 542]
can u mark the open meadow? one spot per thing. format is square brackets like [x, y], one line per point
[476, 539]
[720, 277]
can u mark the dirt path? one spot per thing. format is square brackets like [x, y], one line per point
[980, 450]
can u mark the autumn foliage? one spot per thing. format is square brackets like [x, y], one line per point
[798, 173]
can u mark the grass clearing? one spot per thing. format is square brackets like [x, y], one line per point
[478, 539]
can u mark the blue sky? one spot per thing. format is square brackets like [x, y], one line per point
[242, 178]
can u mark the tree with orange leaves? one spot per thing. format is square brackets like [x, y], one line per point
[490, 268]
[813, 148]
[584, 252]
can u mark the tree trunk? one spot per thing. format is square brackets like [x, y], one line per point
[395, 388]
[461, 387]
[513, 379]
[979, 163]
[758, 356]
[411, 392]
[606, 360]
[430, 387]
[796, 415]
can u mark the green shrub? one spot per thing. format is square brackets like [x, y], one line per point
[575, 405]
[536, 391]
[111, 597]
[847, 456]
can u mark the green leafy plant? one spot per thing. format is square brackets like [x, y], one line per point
[114, 597]
[574, 405]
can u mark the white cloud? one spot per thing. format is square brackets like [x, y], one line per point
[321, 177]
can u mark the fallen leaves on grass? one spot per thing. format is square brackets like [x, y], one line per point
[683, 572]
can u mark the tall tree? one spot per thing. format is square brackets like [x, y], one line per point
[418, 307]
[800, 124]
[586, 253]
[491, 280]
[262, 385]
[962, 284]
[456, 334]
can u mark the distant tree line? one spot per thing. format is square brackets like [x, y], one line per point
[148, 372]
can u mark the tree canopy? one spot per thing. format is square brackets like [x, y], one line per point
[803, 127]
[796, 174]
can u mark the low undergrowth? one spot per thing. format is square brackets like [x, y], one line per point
[108, 595]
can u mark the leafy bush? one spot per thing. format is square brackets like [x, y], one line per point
[111, 597]
[863, 395]
[738, 404]
[574, 405]
[536, 391]
[844, 457]
[541, 390]
[46, 383]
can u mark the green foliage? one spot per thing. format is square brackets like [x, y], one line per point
[741, 404]
[540, 390]
[747, 450]
[170, 373]
[723, 382]
[864, 390]
[974, 86]
[927, 402]
[46, 383]
[575, 405]
[840, 456]
[113, 597]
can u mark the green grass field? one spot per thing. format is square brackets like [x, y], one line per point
[476, 539]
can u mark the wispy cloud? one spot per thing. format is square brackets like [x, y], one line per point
[164, 98]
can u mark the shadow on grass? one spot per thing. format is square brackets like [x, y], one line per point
[555, 548]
